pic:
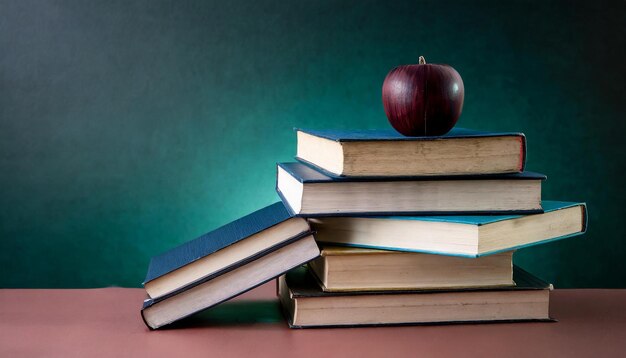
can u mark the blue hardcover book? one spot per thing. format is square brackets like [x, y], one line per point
[305, 304]
[309, 192]
[468, 236]
[386, 153]
[225, 263]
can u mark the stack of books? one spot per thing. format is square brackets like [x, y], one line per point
[418, 230]
[375, 229]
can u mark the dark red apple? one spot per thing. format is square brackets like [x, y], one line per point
[423, 99]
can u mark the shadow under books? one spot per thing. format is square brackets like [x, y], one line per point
[236, 313]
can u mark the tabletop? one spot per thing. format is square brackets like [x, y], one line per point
[105, 322]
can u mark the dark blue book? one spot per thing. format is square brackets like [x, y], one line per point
[466, 236]
[309, 192]
[234, 258]
[306, 305]
[372, 153]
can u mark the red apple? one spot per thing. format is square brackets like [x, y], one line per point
[423, 99]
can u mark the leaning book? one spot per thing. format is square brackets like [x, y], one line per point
[225, 263]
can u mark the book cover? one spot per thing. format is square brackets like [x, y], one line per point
[548, 206]
[391, 135]
[216, 240]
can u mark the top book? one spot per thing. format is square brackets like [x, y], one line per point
[371, 153]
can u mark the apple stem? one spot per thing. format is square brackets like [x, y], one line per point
[422, 60]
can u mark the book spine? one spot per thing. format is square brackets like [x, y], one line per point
[523, 154]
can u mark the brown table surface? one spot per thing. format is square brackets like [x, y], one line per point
[106, 323]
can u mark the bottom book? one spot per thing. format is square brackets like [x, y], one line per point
[306, 305]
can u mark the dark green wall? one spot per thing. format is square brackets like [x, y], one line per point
[128, 127]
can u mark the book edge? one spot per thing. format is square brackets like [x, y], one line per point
[239, 263]
[536, 284]
[443, 323]
[260, 254]
[524, 175]
[444, 253]
[487, 219]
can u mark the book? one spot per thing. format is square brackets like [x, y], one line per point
[309, 192]
[205, 294]
[306, 305]
[388, 153]
[469, 236]
[355, 269]
[222, 249]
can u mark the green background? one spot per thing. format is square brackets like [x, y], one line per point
[129, 127]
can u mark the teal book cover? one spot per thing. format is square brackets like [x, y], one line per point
[356, 135]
